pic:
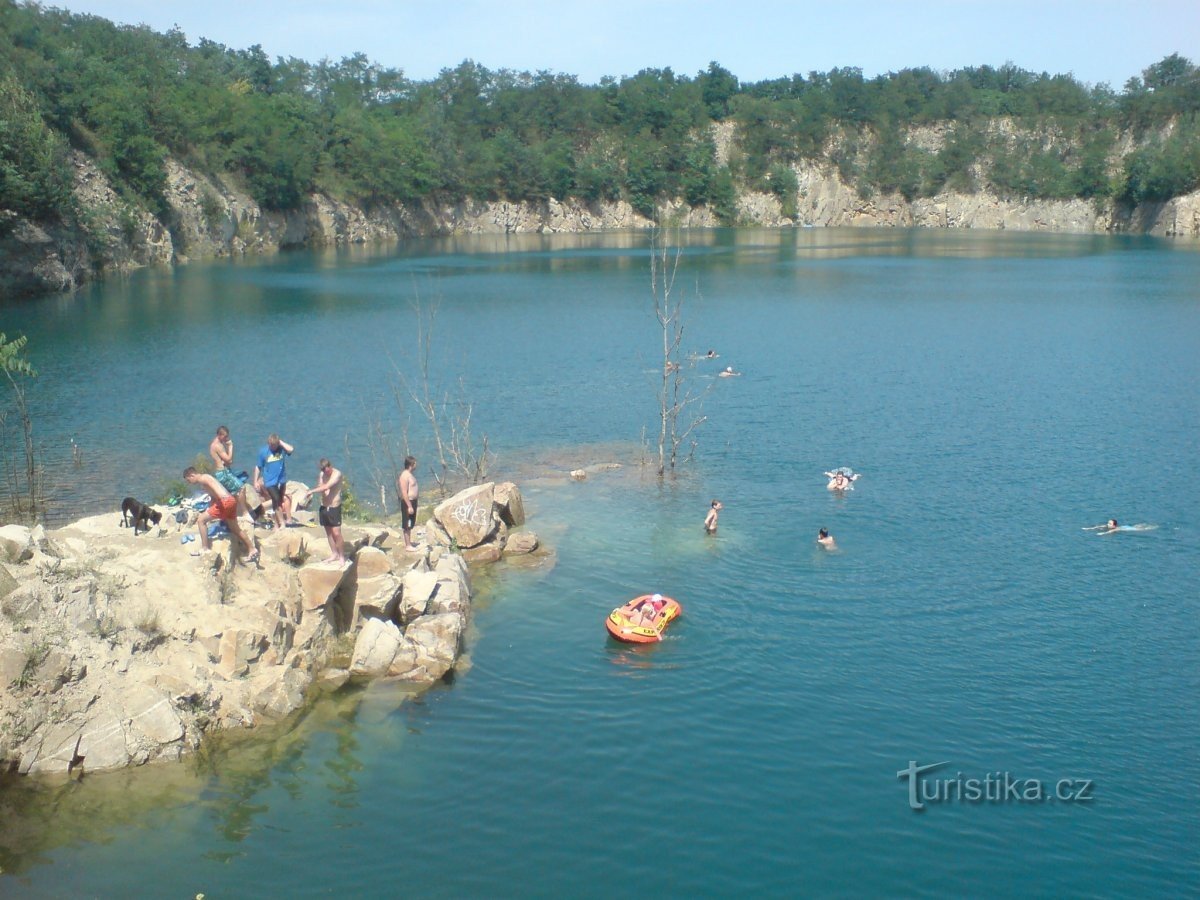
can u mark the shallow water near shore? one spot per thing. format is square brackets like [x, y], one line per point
[998, 391]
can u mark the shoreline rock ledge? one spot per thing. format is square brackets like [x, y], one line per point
[118, 650]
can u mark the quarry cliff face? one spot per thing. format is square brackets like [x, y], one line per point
[211, 217]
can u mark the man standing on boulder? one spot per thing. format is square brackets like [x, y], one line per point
[270, 477]
[329, 486]
[406, 487]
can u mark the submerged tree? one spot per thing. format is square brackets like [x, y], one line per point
[462, 453]
[675, 394]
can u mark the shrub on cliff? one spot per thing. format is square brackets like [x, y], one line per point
[35, 175]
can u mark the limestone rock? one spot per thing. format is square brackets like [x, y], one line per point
[320, 583]
[8, 584]
[509, 504]
[280, 692]
[296, 493]
[294, 546]
[405, 660]
[450, 597]
[453, 568]
[419, 587]
[520, 542]
[239, 648]
[16, 544]
[375, 648]
[372, 562]
[468, 516]
[12, 665]
[376, 598]
[486, 553]
[437, 639]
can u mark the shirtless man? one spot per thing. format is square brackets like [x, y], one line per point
[223, 508]
[406, 488]
[710, 521]
[329, 486]
[840, 481]
[825, 539]
[729, 373]
[221, 449]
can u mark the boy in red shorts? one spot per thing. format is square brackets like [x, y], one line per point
[222, 508]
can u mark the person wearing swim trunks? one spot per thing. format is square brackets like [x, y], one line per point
[407, 489]
[329, 486]
[221, 449]
[222, 508]
[270, 477]
[710, 521]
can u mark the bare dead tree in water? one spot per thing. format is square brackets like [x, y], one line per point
[462, 454]
[675, 395]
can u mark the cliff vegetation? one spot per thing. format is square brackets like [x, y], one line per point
[106, 130]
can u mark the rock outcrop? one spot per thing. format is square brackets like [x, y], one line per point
[210, 216]
[477, 523]
[116, 650]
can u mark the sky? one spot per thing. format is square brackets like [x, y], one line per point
[1097, 41]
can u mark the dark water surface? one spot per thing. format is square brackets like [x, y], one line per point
[999, 392]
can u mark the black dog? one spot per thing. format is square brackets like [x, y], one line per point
[141, 515]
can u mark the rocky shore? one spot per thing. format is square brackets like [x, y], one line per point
[213, 217]
[117, 650]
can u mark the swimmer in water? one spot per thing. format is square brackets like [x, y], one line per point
[825, 539]
[839, 480]
[729, 373]
[1112, 526]
[710, 520]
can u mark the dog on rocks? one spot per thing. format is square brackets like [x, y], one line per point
[141, 515]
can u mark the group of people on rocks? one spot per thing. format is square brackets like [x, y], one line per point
[225, 489]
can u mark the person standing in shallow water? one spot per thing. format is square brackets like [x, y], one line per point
[407, 489]
[710, 521]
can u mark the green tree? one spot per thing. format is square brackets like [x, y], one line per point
[26, 497]
[35, 176]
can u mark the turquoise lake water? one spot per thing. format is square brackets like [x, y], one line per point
[998, 391]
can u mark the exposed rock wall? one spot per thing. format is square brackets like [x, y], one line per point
[117, 650]
[214, 217]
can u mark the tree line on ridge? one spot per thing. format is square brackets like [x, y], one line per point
[129, 97]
